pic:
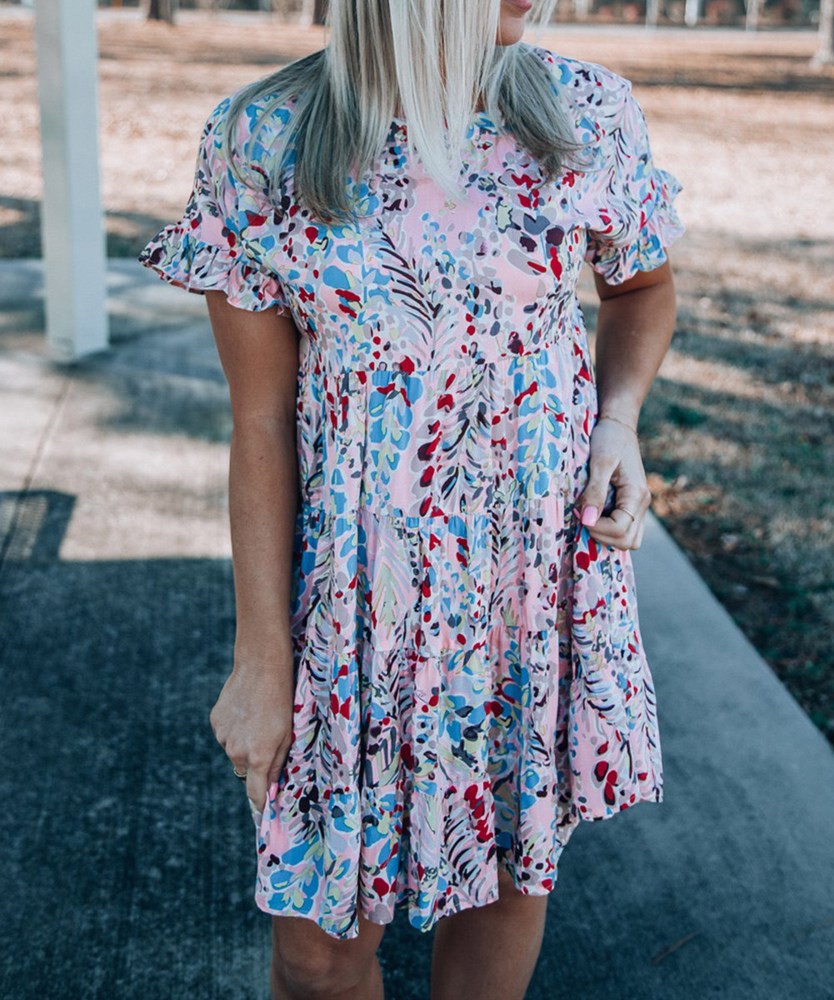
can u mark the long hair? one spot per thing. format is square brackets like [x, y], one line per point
[424, 62]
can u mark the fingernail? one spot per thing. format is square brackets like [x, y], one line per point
[590, 515]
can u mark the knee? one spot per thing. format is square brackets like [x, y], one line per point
[318, 976]
[315, 969]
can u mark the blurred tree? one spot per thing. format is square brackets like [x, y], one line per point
[825, 52]
[162, 10]
[314, 11]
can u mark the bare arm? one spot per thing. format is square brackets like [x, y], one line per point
[252, 718]
[634, 329]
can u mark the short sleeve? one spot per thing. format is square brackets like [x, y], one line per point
[207, 249]
[634, 220]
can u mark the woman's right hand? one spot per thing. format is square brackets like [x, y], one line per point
[253, 716]
[252, 720]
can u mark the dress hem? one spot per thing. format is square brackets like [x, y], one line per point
[425, 926]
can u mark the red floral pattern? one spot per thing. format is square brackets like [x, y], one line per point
[470, 676]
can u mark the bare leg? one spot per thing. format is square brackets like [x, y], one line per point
[490, 951]
[309, 964]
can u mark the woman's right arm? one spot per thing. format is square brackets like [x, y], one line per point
[252, 718]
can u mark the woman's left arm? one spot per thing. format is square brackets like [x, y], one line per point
[634, 329]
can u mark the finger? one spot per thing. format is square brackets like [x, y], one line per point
[256, 783]
[277, 765]
[639, 540]
[618, 530]
[632, 503]
[256, 811]
[239, 768]
[592, 499]
[613, 541]
[623, 520]
[619, 522]
[633, 496]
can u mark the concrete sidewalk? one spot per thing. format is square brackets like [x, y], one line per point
[127, 865]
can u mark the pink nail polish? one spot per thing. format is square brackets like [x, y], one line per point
[590, 515]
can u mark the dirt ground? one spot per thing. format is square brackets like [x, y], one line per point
[737, 430]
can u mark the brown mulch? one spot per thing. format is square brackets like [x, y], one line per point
[738, 430]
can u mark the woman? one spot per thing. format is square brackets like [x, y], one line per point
[438, 669]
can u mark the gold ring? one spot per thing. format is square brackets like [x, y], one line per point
[237, 773]
[632, 516]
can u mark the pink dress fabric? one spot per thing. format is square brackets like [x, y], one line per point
[471, 681]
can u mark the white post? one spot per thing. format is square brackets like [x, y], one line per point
[692, 11]
[71, 218]
[825, 52]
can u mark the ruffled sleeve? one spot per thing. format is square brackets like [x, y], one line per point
[634, 220]
[207, 248]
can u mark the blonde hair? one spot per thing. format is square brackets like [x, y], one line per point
[433, 60]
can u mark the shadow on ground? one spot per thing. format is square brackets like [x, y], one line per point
[128, 853]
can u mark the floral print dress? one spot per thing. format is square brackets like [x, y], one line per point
[470, 675]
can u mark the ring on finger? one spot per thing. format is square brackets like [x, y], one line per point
[237, 773]
[632, 516]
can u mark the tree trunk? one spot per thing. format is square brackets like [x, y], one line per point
[825, 52]
[162, 10]
[314, 12]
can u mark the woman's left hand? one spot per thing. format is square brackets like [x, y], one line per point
[615, 458]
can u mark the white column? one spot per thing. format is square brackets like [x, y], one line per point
[581, 9]
[71, 217]
[825, 52]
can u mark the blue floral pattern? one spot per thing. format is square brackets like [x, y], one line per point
[470, 675]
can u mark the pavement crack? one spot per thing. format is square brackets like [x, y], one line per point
[665, 952]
